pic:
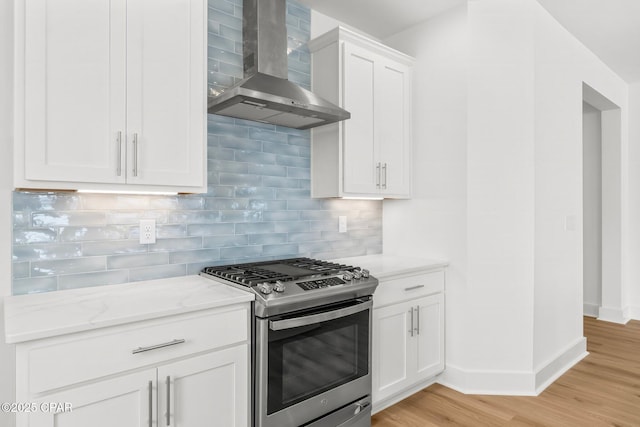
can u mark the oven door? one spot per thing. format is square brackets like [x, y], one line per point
[312, 363]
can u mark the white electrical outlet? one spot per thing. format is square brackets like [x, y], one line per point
[147, 231]
[342, 224]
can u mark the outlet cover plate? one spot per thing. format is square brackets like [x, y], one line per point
[147, 231]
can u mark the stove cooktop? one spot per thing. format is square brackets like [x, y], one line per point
[294, 283]
[284, 270]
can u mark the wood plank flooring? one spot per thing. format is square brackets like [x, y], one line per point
[602, 390]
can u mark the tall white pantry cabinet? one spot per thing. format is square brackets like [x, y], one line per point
[368, 155]
[111, 94]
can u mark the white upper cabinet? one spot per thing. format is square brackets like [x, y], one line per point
[111, 94]
[368, 155]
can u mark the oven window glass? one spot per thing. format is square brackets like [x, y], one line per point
[309, 360]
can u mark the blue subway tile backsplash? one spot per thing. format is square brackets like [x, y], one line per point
[257, 205]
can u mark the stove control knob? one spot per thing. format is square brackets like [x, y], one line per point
[365, 273]
[265, 288]
[348, 276]
[279, 286]
[357, 274]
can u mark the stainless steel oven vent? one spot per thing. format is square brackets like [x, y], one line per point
[265, 94]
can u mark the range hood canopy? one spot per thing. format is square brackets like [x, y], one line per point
[265, 94]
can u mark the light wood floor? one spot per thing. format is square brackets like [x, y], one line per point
[602, 390]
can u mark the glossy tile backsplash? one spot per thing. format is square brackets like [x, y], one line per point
[257, 206]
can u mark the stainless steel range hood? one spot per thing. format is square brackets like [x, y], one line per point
[265, 94]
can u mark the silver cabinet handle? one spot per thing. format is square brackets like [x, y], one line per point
[417, 320]
[411, 330]
[168, 401]
[119, 167]
[135, 154]
[384, 175]
[150, 403]
[378, 175]
[412, 288]
[157, 346]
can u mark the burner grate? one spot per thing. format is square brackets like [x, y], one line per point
[285, 270]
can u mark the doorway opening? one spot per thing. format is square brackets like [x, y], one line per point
[602, 206]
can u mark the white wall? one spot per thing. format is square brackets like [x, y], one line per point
[321, 23]
[473, 188]
[501, 190]
[633, 278]
[504, 201]
[434, 223]
[562, 65]
[7, 355]
[592, 203]
[498, 188]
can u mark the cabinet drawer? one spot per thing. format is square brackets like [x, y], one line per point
[58, 362]
[409, 287]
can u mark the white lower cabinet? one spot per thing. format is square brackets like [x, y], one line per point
[408, 336]
[197, 378]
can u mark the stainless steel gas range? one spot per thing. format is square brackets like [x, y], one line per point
[311, 341]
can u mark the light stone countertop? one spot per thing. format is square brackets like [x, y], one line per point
[35, 316]
[383, 266]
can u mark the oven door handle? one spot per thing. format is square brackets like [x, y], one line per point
[279, 325]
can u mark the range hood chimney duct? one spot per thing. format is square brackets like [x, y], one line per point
[265, 94]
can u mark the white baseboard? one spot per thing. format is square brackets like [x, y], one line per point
[614, 314]
[469, 381]
[634, 312]
[552, 370]
[591, 310]
[513, 383]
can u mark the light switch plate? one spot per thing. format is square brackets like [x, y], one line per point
[342, 224]
[147, 231]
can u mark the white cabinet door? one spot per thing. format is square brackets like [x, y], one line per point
[408, 344]
[196, 391]
[74, 89]
[166, 92]
[391, 369]
[393, 131]
[429, 340]
[377, 137]
[126, 401]
[359, 150]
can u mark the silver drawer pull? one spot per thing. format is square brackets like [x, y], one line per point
[157, 346]
[414, 288]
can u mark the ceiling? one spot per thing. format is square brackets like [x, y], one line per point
[382, 18]
[609, 28]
